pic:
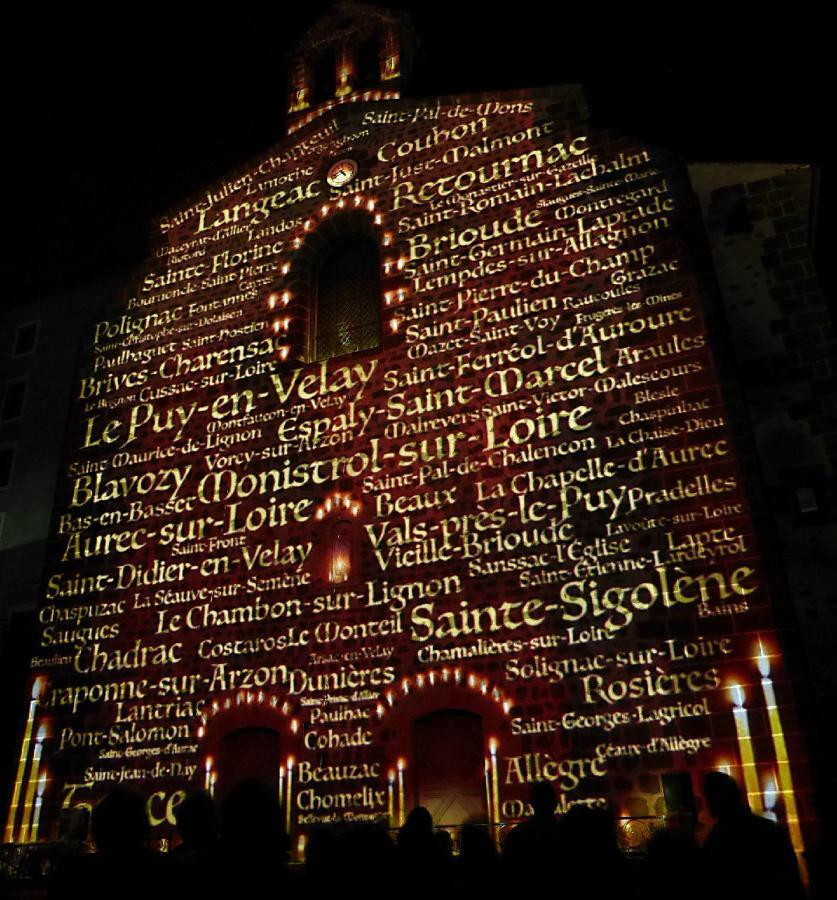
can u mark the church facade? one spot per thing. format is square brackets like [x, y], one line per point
[406, 472]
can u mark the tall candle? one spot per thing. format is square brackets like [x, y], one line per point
[745, 748]
[291, 762]
[401, 805]
[207, 779]
[391, 798]
[495, 788]
[24, 756]
[488, 797]
[782, 762]
[36, 814]
[32, 785]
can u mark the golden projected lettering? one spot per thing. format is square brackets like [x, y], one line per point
[530, 483]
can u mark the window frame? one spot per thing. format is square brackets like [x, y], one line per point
[36, 323]
[21, 379]
[12, 447]
[330, 245]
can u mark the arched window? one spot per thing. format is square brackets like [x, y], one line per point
[325, 77]
[347, 298]
[369, 62]
[340, 555]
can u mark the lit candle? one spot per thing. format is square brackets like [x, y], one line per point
[207, 773]
[24, 755]
[391, 798]
[281, 784]
[488, 798]
[745, 748]
[291, 762]
[32, 785]
[36, 815]
[212, 782]
[770, 798]
[782, 762]
[495, 787]
[401, 815]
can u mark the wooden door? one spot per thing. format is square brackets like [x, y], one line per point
[246, 754]
[448, 765]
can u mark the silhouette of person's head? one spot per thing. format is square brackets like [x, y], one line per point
[723, 796]
[543, 799]
[475, 841]
[415, 838]
[197, 821]
[252, 818]
[444, 844]
[367, 845]
[419, 820]
[119, 823]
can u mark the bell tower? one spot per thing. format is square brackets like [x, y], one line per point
[355, 52]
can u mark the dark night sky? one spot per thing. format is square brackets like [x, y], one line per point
[110, 121]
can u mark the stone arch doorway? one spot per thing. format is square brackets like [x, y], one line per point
[247, 736]
[440, 732]
[449, 765]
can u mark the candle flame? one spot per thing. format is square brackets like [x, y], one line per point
[770, 792]
[401, 764]
[737, 694]
[763, 661]
[42, 733]
[492, 746]
[291, 763]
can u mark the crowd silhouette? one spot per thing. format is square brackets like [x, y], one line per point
[244, 853]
